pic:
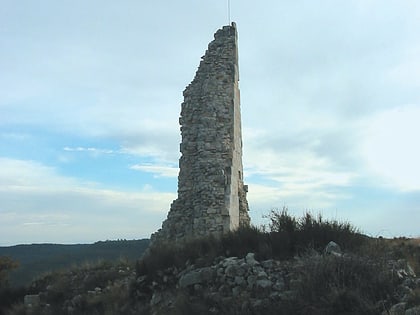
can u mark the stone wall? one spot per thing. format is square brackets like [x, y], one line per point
[211, 193]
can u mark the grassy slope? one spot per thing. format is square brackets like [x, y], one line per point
[36, 259]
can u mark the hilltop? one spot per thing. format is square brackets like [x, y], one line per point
[289, 267]
[35, 259]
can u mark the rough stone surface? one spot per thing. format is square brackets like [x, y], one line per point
[196, 277]
[211, 193]
[228, 285]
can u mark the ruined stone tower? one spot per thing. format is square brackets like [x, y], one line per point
[211, 193]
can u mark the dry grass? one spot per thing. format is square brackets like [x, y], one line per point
[352, 284]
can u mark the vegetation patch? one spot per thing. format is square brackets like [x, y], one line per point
[281, 268]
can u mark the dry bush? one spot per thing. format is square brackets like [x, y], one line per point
[344, 285]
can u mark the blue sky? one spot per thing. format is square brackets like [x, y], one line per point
[90, 95]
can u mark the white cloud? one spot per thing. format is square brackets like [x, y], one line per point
[305, 86]
[295, 168]
[158, 170]
[30, 175]
[35, 196]
[14, 136]
[94, 151]
[406, 72]
[391, 149]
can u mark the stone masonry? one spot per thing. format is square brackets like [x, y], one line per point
[211, 193]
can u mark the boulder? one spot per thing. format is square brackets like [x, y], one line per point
[403, 269]
[333, 248]
[231, 271]
[250, 259]
[196, 277]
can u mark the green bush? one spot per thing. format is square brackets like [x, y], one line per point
[287, 237]
[282, 222]
[11, 296]
[291, 236]
[246, 240]
[6, 265]
[165, 255]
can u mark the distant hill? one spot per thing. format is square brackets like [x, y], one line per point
[36, 259]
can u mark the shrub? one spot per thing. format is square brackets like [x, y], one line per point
[414, 298]
[344, 285]
[11, 296]
[185, 304]
[6, 265]
[245, 240]
[291, 236]
[165, 255]
[18, 309]
[8, 295]
[282, 222]
[287, 236]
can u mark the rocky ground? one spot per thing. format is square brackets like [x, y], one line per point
[330, 282]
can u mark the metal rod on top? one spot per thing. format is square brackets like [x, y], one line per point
[228, 10]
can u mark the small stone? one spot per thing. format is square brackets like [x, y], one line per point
[262, 275]
[231, 271]
[211, 211]
[189, 279]
[250, 259]
[333, 248]
[267, 264]
[251, 280]
[229, 261]
[264, 284]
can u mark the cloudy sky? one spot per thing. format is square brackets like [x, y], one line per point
[90, 95]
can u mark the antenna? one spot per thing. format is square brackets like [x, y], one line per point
[228, 7]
